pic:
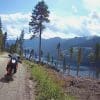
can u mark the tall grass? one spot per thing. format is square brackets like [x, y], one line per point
[47, 89]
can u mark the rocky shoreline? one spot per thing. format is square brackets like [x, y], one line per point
[81, 88]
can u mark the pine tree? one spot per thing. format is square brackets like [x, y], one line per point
[79, 58]
[91, 58]
[31, 54]
[17, 46]
[7, 47]
[1, 36]
[21, 41]
[97, 54]
[12, 48]
[71, 56]
[48, 57]
[4, 40]
[58, 51]
[52, 60]
[41, 53]
[0, 26]
[39, 16]
[64, 64]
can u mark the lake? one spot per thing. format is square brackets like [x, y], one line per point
[84, 71]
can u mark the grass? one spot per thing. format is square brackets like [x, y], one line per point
[47, 89]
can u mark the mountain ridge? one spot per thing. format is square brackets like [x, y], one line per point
[49, 45]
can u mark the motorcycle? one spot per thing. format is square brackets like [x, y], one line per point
[12, 67]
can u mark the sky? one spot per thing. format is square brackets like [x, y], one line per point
[68, 18]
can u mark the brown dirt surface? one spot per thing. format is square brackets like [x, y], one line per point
[81, 88]
[20, 88]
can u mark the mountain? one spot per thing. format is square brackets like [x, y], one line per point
[81, 42]
[90, 42]
[49, 45]
[73, 42]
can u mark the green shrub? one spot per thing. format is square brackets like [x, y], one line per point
[47, 89]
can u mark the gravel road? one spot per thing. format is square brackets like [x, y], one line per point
[21, 88]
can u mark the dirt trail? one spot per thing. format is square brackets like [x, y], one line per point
[21, 88]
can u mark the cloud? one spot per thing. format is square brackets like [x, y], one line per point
[64, 27]
[14, 23]
[93, 5]
[76, 26]
[50, 34]
[61, 24]
[74, 9]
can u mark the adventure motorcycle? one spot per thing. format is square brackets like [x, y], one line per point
[12, 67]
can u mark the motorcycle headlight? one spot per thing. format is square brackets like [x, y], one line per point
[13, 61]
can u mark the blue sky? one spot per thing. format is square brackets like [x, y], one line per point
[13, 6]
[68, 18]
[63, 7]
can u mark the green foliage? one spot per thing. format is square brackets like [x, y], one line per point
[21, 40]
[4, 40]
[40, 15]
[12, 48]
[0, 26]
[47, 88]
[1, 36]
[1, 42]
[18, 46]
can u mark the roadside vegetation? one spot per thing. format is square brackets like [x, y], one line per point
[47, 88]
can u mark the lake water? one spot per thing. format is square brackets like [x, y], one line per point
[84, 71]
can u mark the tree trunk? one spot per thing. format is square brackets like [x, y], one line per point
[58, 58]
[68, 69]
[78, 67]
[40, 45]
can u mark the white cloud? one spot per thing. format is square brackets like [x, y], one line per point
[76, 26]
[74, 9]
[50, 34]
[15, 16]
[14, 32]
[92, 4]
[61, 24]
[14, 23]
[64, 27]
